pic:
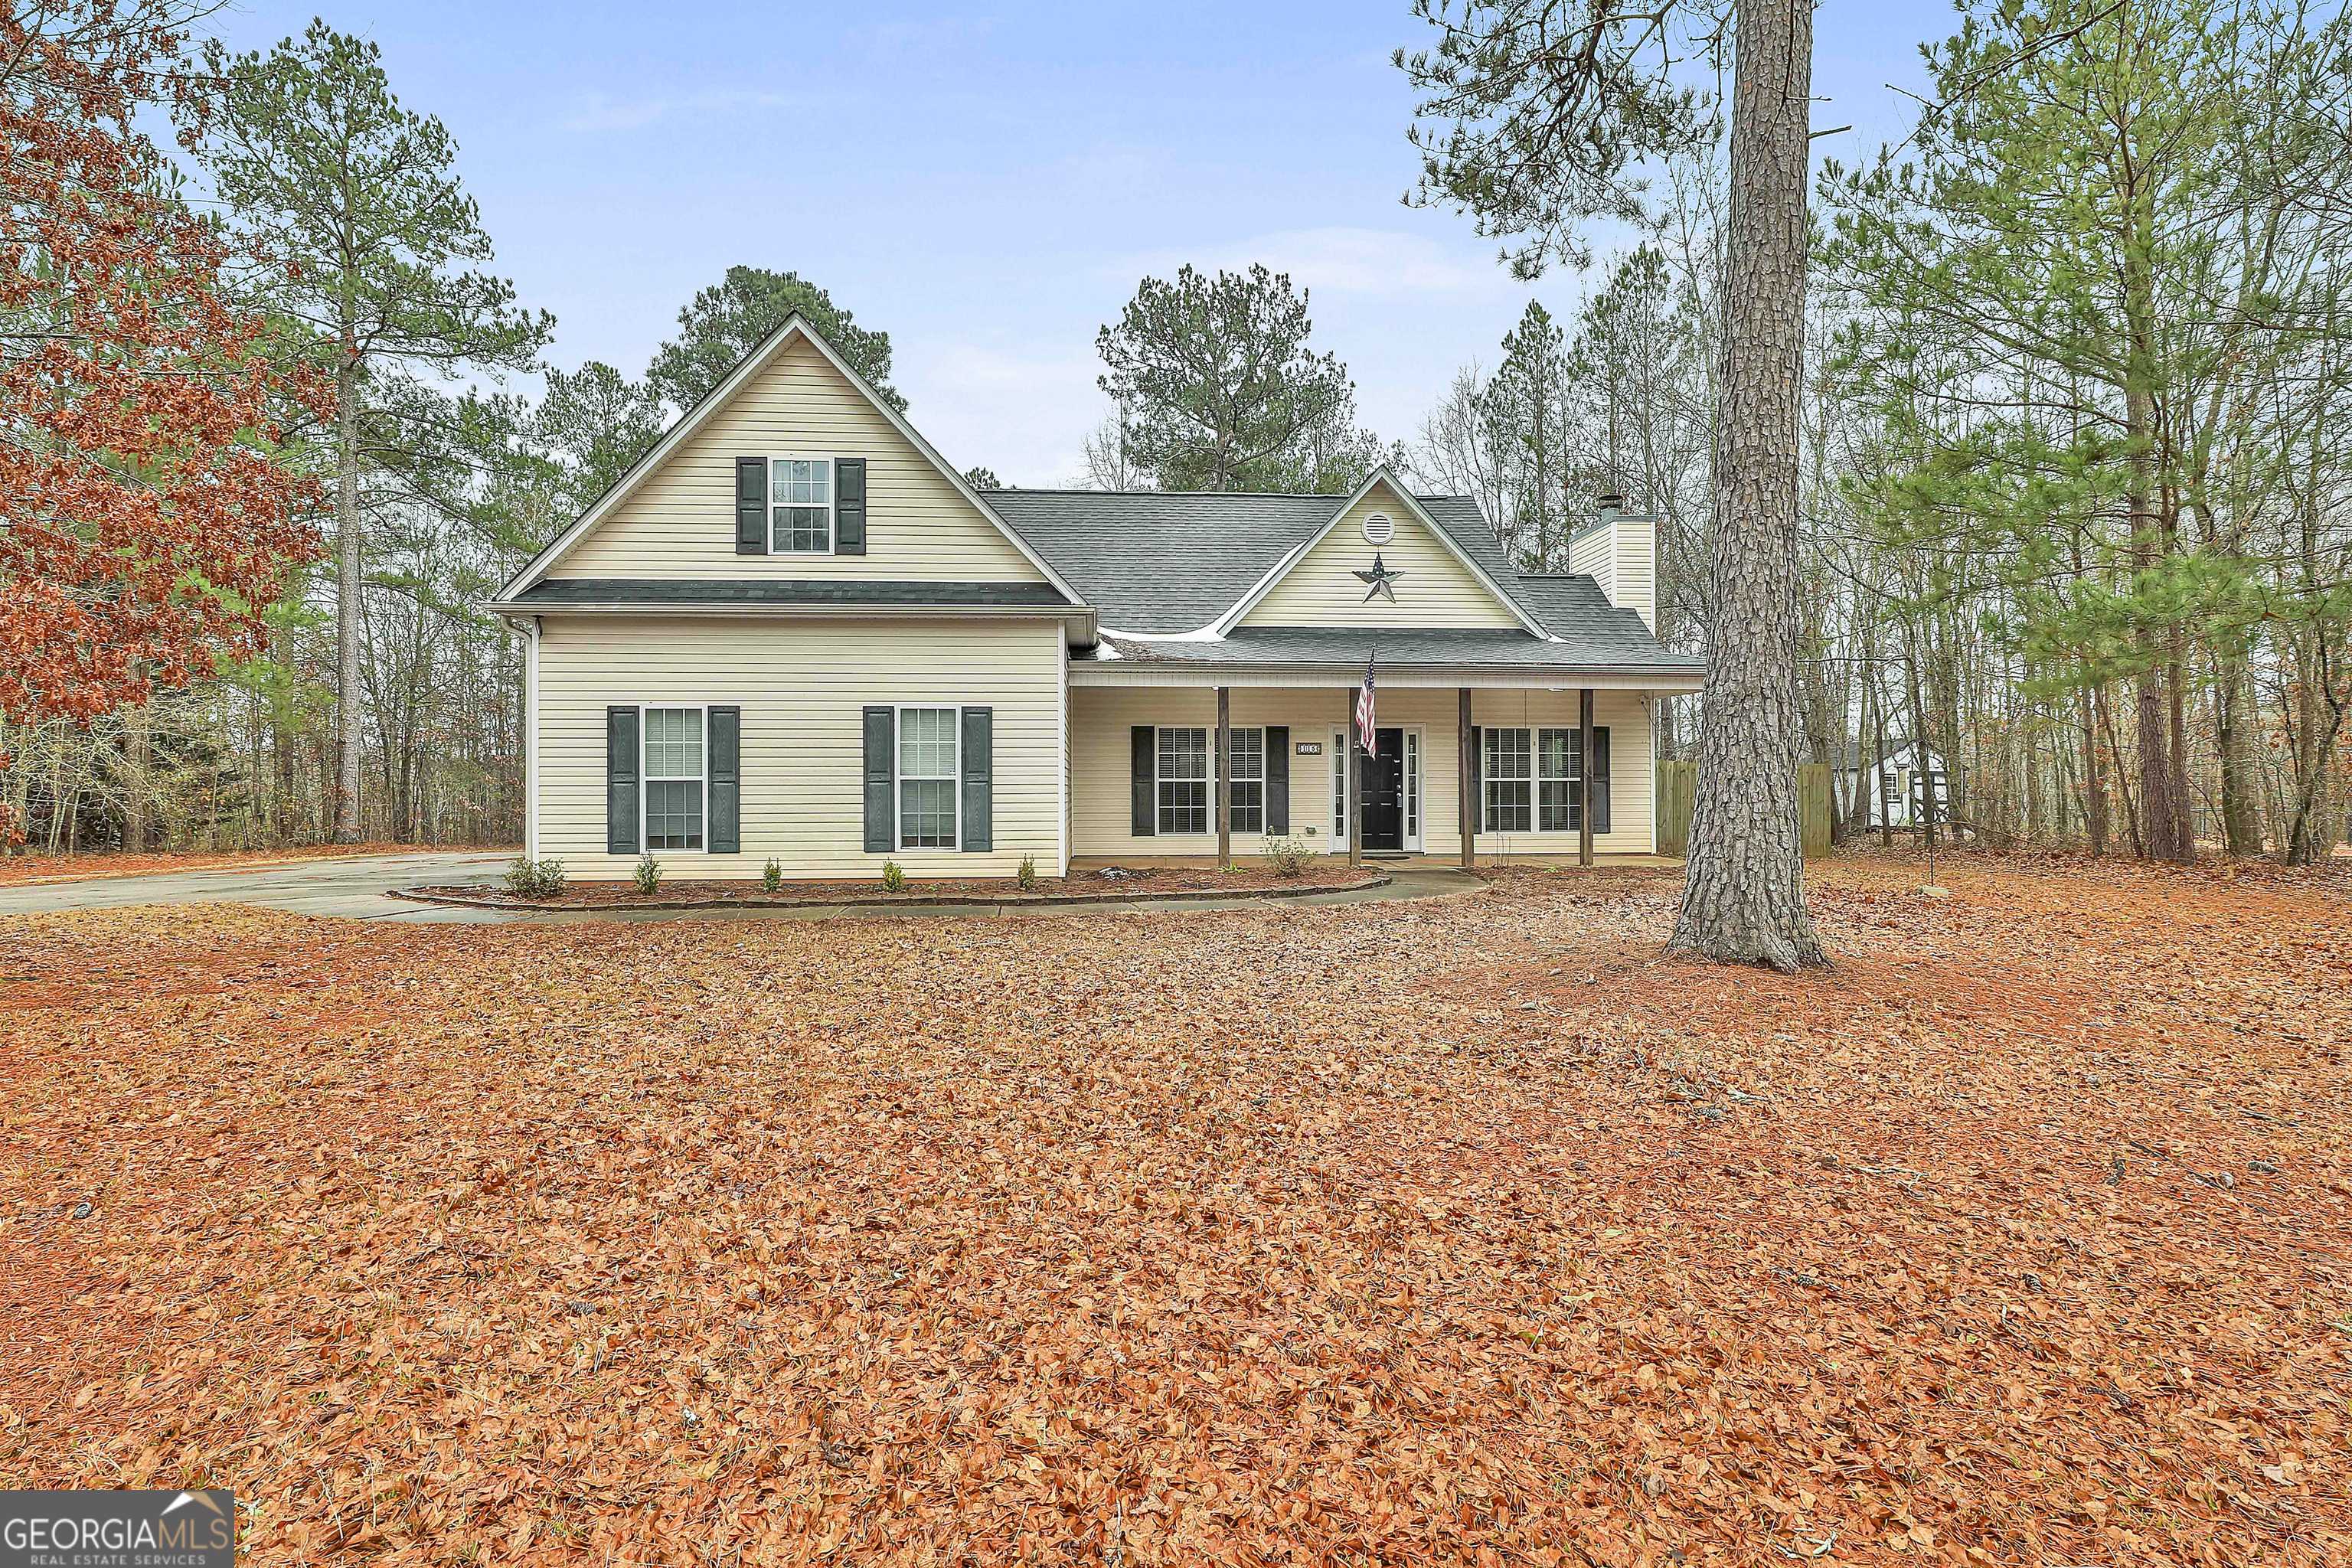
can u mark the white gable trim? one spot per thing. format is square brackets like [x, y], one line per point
[794, 327]
[1282, 568]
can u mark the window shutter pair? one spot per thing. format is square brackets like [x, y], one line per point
[722, 808]
[1143, 779]
[977, 748]
[751, 506]
[1277, 778]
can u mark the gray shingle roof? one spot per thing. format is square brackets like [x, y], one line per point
[1162, 561]
[1165, 562]
[1397, 647]
[659, 591]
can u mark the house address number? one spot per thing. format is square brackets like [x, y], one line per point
[1314, 749]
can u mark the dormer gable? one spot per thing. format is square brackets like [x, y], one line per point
[792, 469]
[1381, 560]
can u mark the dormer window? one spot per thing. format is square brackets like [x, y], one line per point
[1379, 528]
[800, 506]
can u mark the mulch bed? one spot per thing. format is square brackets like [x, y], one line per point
[1086, 887]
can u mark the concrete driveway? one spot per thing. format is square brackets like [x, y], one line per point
[354, 888]
[351, 889]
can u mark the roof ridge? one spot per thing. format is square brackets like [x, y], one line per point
[1188, 495]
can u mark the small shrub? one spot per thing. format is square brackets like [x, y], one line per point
[529, 878]
[1287, 856]
[1026, 877]
[649, 875]
[771, 875]
[893, 880]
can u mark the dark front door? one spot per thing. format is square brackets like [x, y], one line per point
[1385, 793]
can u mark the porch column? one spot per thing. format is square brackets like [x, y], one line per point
[1584, 777]
[1466, 767]
[1224, 777]
[1355, 779]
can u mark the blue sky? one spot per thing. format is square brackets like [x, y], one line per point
[987, 184]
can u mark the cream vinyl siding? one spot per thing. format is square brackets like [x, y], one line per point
[1621, 557]
[680, 519]
[1323, 590]
[803, 687]
[1101, 763]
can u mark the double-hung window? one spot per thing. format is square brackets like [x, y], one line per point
[1249, 780]
[928, 775]
[1509, 775]
[800, 506]
[1560, 786]
[675, 781]
[1182, 786]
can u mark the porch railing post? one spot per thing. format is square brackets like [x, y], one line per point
[1224, 777]
[1467, 789]
[1355, 786]
[1584, 776]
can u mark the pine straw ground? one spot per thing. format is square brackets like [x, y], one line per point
[1465, 1231]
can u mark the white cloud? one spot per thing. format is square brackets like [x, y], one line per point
[596, 112]
[1371, 262]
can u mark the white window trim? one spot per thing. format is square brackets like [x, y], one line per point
[1489, 778]
[897, 778]
[645, 780]
[1160, 751]
[1237, 731]
[1160, 777]
[1342, 823]
[1575, 776]
[832, 504]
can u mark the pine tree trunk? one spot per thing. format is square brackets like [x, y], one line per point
[347, 604]
[1744, 893]
[2094, 789]
[2234, 724]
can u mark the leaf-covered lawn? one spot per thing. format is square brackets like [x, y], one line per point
[1460, 1231]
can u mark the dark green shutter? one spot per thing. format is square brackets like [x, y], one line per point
[1477, 780]
[979, 773]
[1142, 781]
[1277, 778]
[750, 506]
[726, 780]
[1597, 789]
[849, 506]
[620, 781]
[881, 802]
[1583, 789]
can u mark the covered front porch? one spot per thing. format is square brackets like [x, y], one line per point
[1472, 767]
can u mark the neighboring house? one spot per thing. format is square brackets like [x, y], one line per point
[1900, 799]
[794, 631]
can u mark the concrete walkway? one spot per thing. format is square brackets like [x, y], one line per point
[355, 889]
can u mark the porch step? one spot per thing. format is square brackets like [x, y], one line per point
[1407, 854]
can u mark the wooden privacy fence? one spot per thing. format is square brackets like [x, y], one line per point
[1678, 783]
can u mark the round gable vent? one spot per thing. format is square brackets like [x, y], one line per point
[1379, 528]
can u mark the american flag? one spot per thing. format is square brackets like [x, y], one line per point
[1367, 736]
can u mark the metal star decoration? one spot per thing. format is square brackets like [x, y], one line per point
[1382, 580]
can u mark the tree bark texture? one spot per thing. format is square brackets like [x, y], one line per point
[1744, 893]
[347, 603]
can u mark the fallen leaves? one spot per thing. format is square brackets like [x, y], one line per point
[1247, 1236]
